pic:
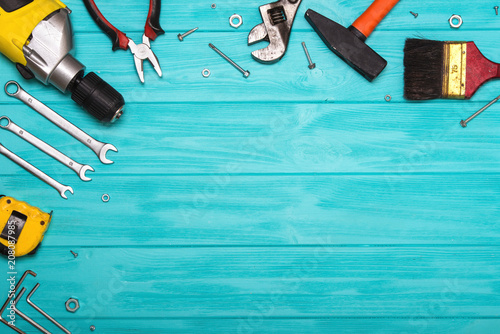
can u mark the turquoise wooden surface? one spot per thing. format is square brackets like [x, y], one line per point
[294, 201]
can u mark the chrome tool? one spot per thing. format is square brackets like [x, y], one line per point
[120, 40]
[276, 28]
[99, 148]
[78, 168]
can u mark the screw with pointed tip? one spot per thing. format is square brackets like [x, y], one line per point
[74, 254]
[311, 64]
[187, 33]
[246, 74]
[414, 14]
[464, 123]
[496, 9]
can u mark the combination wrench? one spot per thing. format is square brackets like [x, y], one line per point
[99, 148]
[78, 168]
[35, 171]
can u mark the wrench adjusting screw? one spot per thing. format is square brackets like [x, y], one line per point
[246, 74]
[311, 64]
[187, 33]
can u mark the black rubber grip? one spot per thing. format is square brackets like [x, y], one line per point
[153, 28]
[12, 5]
[118, 38]
[97, 97]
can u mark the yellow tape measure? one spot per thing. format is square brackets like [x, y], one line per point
[22, 227]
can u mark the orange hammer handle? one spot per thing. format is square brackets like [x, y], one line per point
[370, 19]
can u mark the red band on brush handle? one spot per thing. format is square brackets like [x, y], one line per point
[479, 70]
[370, 19]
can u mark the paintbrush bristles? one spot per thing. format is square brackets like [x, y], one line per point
[424, 69]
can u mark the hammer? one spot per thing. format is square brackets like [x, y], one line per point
[349, 43]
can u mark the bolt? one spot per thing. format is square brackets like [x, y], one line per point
[464, 123]
[311, 64]
[496, 9]
[414, 14]
[187, 33]
[246, 74]
[74, 254]
[92, 328]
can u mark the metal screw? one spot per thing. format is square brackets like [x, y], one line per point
[187, 33]
[74, 254]
[246, 74]
[414, 14]
[311, 64]
[496, 9]
[92, 328]
[464, 123]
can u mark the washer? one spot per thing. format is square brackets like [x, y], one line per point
[72, 301]
[388, 98]
[105, 198]
[458, 18]
[205, 73]
[213, 6]
[236, 17]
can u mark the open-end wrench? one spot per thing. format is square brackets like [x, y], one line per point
[35, 171]
[99, 148]
[78, 168]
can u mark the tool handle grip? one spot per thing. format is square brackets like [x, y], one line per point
[119, 39]
[153, 28]
[370, 19]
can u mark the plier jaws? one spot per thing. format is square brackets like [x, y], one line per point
[142, 52]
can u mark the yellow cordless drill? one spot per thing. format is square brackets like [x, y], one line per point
[37, 36]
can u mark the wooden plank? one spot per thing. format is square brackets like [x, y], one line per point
[261, 138]
[257, 324]
[154, 210]
[241, 282]
[332, 81]
[181, 16]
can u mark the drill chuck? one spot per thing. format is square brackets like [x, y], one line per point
[97, 97]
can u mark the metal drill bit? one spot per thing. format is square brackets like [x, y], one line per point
[464, 123]
[311, 64]
[246, 74]
[187, 33]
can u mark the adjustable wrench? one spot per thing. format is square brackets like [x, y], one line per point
[99, 148]
[35, 171]
[79, 169]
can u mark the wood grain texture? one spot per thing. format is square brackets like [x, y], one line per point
[294, 201]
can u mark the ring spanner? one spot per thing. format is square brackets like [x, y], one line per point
[99, 148]
[78, 168]
[35, 171]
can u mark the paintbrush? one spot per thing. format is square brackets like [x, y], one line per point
[448, 70]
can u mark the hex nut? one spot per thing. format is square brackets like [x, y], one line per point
[459, 21]
[238, 18]
[72, 301]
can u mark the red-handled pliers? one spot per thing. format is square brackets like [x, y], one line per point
[121, 41]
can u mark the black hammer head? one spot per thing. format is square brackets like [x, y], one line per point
[348, 44]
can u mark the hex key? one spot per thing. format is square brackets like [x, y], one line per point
[24, 316]
[42, 312]
[32, 273]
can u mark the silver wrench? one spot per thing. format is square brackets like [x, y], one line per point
[99, 148]
[78, 168]
[35, 171]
